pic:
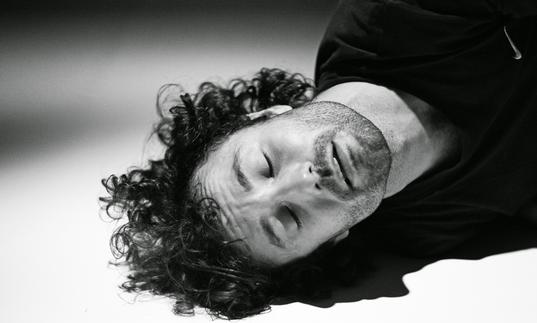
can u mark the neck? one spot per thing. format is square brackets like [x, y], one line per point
[419, 137]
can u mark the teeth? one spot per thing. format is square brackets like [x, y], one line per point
[338, 165]
[336, 162]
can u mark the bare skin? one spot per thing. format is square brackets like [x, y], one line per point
[306, 176]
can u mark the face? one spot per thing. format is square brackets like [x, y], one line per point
[296, 181]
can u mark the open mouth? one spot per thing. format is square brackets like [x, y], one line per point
[338, 165]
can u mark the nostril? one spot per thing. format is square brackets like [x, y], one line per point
[317, 186]
[310, 169]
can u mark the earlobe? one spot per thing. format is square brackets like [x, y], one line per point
[269, 112]
[340, 237]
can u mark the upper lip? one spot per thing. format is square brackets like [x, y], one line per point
[343, 166]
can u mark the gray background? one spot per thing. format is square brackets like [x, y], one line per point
[72, 70]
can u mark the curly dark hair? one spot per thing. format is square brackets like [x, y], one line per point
[171, 240]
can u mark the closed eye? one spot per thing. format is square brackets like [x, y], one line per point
[269, 163]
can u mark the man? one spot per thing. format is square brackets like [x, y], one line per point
[419, 131]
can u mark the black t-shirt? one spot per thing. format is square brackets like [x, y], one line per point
[458, 56]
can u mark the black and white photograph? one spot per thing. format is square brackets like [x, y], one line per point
[268, 161]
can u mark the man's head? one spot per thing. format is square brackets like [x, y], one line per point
[296, 181]
[208, 224]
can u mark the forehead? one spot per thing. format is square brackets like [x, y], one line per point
[216, 181]
[215, 177]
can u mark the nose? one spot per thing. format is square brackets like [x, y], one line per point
[297, 180]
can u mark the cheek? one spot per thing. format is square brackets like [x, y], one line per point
[324, 207]
[291, 137]
[329, 218]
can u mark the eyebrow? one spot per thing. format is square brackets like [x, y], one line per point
[239, 174]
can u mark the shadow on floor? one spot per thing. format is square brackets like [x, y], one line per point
[385, 276]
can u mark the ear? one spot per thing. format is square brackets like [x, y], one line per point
[340, 237]
[269, 112]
